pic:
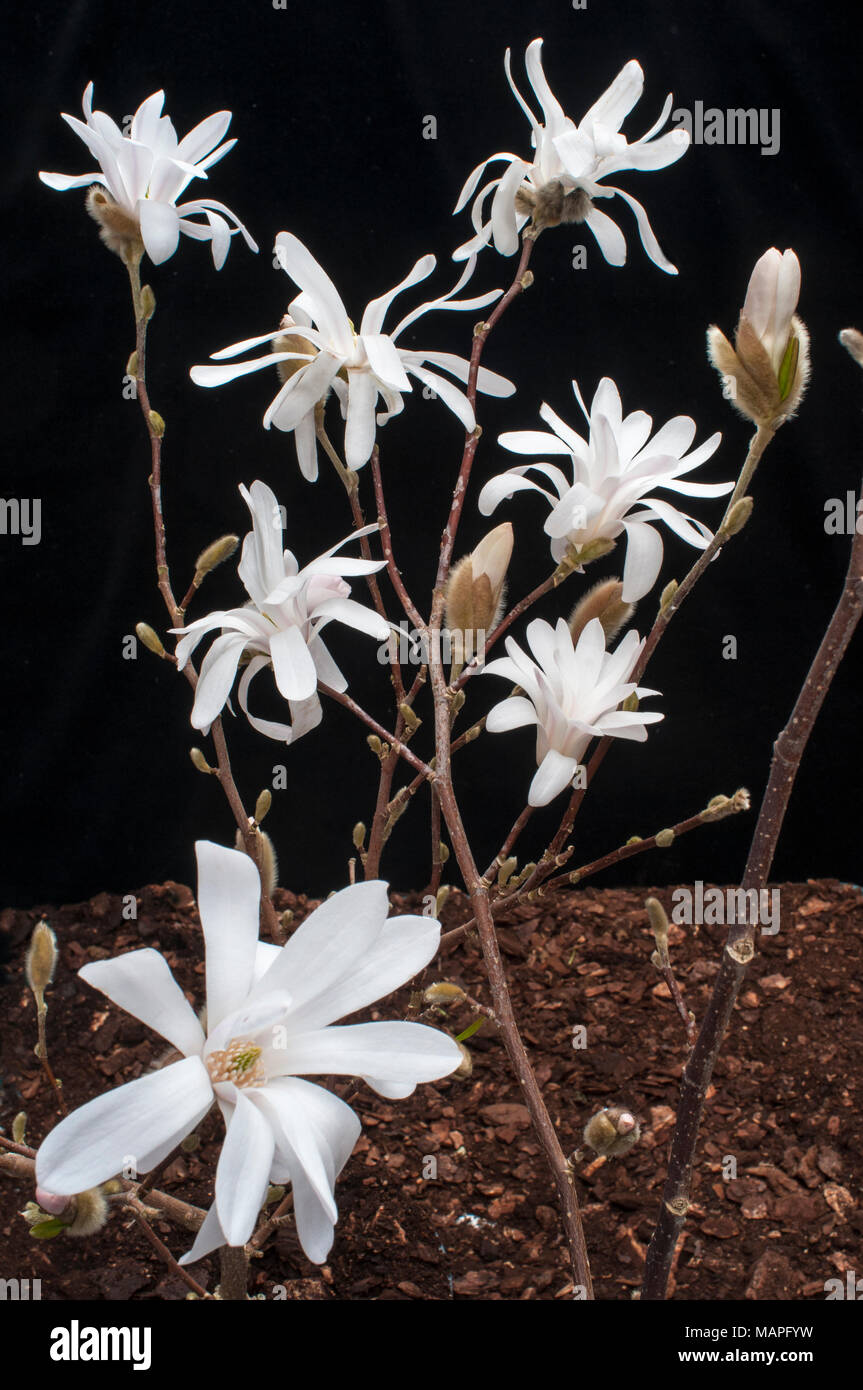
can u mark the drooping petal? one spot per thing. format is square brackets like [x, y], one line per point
[94, 1142]
[553, 774]
[293, 666]
[160, 229]
[243, 1173]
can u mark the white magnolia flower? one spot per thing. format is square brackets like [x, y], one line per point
[360, 367]
[613, 473]
[146, 171]
[577, 157]
[572, 694]
[269, 1011]
[281, 625]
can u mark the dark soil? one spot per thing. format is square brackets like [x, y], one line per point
[785, 1104]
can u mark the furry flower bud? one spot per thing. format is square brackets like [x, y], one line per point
[603, 601]
[476, 588]
[766, 372]
[41, 958]
[612, 1131]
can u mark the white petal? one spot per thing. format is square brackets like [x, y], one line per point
[643, 560]
[513, 713]
[216, 677]
[141, 983]
[360, 430]
[160, 229]
[398, 1051]
[612, 242]
[554, 773]
[229, 894]
[93, 1143]
[243, 1174]
[293, 666]
[208, 1239]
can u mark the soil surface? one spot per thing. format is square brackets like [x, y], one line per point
[447, 1195]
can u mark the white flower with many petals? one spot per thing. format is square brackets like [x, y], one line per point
[359, 367]
[146, 171]
[569, 163]
[572, 694]
[613, 473]
[269, 1016]
[281, 625]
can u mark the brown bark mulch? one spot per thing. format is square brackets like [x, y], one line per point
[447, 1195]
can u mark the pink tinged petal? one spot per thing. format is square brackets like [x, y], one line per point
[208, 1239]
[645, 231]
[204, 137]
[611, 241]
[243, 1174]
[787, 295]
[329, 944]
[759, 306]
[404, 946]
[93, 1143]
[304, 270]
[513, 713]
[353, 614]
[141, 983]
[160, 229]
[293, 666]
[401, 1052]
[360, 429]
[385, 361]
[643, 560]
[554, 773]
[62, 182]
[503, 218]
[229, 894]
[376, 310]
[216, 677]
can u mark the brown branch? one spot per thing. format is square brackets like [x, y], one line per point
[140, 1215]
[387, 543]
[740, 943]
[383, 734]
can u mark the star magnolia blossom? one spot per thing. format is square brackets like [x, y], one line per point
[146, 171]
[577, 157]
[360, 367]
[269, 1011]
[280, 626]
[612, 472]
[572, 694]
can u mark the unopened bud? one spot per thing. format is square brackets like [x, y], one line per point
[444, 993]
[157, 424]
[147, 302]
[442, 894]
[190, 1143]
[465, 1067]
[506, 871]
[41, 959]
[375, 744]
[150, 639]
[19, 1126]
[443, 852]
[667, 596]
[132, 364]
[411, 720]
[89, 1213]
[214, 555]
[263, 804]
[852, 340]
[476, 588]
[630, 704]
[611, 1132]
[118, 228]
[659, 924]
[664, 838]
[604, 602]
[359, 835]
[200, 761]
[292, 342]
[738, 516]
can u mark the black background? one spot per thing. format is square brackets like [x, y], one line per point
[329, 102]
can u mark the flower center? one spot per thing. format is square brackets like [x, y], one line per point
[240, 1063]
